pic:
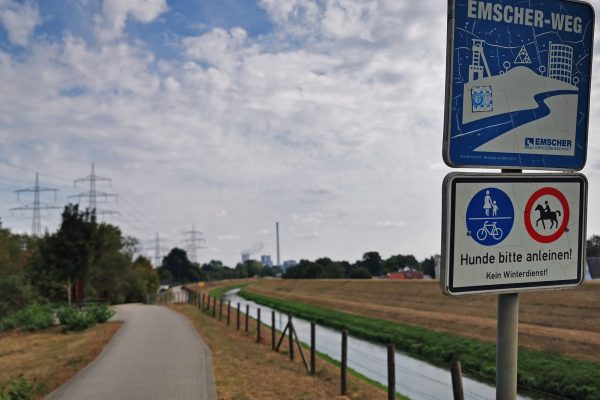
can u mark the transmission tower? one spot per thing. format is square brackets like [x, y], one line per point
[93, 194]
[194, 241]
[36, 206]
[158, 249]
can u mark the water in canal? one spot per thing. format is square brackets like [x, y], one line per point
[414, 378]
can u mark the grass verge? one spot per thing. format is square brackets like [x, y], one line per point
[221, 290]
[245, 369]
[47, 359]
[537, 371]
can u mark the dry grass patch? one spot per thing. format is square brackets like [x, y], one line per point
[246, 370]
[51, 357]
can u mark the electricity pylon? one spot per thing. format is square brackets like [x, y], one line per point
[93, 194]
[36, 206]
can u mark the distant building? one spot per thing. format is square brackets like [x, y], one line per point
[406, 273]
[266, 261]
[289, 263]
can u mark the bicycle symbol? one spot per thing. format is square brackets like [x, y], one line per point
[489, 228]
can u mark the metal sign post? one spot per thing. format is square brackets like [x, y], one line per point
[507, 346]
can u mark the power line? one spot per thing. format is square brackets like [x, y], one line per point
[36, 206]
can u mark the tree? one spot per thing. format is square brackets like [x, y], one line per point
[397, 262]
[180, 267]
[372, 262]
[69, 252]
[592, 246]
[428, 267]
[110, 271]
[142, 280]
[360, 273]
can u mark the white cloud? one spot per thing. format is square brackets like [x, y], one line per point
[111, 23]
[228, 237]
[221, 213]
[390, 224]
[349, 19]
[19, 19]
[322, 125]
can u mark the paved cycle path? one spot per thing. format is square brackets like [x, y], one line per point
[157, 354]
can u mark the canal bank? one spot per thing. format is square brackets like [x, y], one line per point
[414, 378]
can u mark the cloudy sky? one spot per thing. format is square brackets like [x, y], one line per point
[229, 115]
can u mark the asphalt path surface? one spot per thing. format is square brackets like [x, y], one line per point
[157, 354]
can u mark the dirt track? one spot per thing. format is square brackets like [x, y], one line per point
[559, 321]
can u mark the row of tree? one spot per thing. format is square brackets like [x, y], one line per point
[371, 265]
[83, 259]
[176, 268]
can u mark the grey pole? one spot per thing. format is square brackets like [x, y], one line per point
[507, 346]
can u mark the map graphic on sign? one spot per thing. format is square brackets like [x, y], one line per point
[490, 216]
[520, 84]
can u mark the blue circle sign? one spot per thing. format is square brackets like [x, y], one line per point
[490, 216]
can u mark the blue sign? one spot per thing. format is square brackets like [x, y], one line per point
[490, 216]
[518, 82]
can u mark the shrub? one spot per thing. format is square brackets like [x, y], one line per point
[100, 312]
[33, 318]
[75, 319]
[17, 389]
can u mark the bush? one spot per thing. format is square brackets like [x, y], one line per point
[100, 312]
[75, 319]
[33, 318]
[17, 389]
[78, 319]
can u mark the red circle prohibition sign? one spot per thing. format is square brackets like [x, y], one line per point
[529, 209]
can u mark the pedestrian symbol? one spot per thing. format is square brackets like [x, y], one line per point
[490, 216]
[546, 215]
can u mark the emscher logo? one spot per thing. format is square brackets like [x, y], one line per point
[529, 143]
[548, 144]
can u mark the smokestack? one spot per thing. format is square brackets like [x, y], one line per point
[277, 234]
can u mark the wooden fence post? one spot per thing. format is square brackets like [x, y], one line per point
[247, 312]
[290, 338]
[228, 311]
[258, 325]
[391, 364]
[457, 389]
[238, 317]
[214, 312]
[313, 340]
[272, 330]
[220, 310]
[344, 365]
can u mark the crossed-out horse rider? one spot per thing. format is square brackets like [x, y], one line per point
[547, 213]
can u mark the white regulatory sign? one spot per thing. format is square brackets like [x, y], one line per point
[512, 232]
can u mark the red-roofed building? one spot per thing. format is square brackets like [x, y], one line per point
[404, 275]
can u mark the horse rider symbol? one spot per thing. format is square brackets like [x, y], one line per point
[546, 213]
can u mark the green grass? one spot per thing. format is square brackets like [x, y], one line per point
[220, 291]
[537, 371]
